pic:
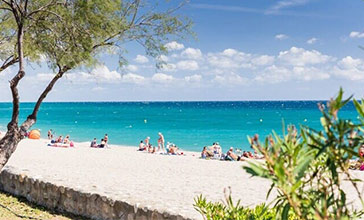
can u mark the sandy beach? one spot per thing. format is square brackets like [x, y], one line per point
[162, 182]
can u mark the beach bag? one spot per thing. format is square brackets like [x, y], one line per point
[361, 167]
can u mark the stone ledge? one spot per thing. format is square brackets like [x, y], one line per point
[66, 199]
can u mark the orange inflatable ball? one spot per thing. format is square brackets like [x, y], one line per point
[34, 134]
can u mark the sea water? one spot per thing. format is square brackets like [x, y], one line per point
[190, 125]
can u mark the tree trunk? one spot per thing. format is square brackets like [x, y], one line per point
[8, 145]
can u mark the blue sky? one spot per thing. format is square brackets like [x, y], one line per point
[245, 50]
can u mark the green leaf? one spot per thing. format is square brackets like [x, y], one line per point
[285, 211]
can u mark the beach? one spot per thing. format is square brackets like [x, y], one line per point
[166, 183]
[163, 182]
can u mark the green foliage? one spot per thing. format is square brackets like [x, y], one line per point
[308, 168]
[75, 33]
[230, 211]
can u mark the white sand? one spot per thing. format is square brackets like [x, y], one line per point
[157, 181]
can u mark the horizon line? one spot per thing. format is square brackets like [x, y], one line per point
[111, 101]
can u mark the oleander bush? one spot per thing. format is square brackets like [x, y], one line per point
[307, 168]
[229, 210]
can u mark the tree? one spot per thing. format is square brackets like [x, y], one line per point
[71, 34]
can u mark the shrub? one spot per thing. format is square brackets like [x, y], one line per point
[307, 168]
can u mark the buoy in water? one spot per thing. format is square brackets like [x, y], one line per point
[261, 120]
[145, 121]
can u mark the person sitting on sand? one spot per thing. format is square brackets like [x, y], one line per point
[93, 143]
[250, 155]
[204, 154]
[102, 144]
[173, 150]
[59, 139]
[66, 139]
[151, 149]
[106, 139]
[230, 155]
[142, 146]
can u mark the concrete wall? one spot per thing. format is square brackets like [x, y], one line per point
[66, 199]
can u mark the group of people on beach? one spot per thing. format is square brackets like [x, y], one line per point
[102, 144]
[215, 152]
[60, 141]
[358, 163]
[169, 148]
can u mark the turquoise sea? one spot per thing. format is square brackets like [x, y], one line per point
[190, 125]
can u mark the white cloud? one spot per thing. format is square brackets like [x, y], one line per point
[187, 65]
[104, 74]
[192, 53]
[278, 74]
[263, 60]
[163, 58]
[300, 57]
[230, 79]
[193, 78]
[133, 78]
[169, 67]
[162, 78]
[350, 68]
[286, 4]
[229, 59]
[312, 40]
[281, 37]
[356, 34]
[230, 52]
[132, 68]
[100, 74]
[174, 46]
[141, 59]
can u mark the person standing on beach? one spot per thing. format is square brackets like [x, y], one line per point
[146, 141]
[106, 139]
[161, 142]
[50, 134]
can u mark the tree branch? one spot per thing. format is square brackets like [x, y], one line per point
[32, 118]
[8, 62]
